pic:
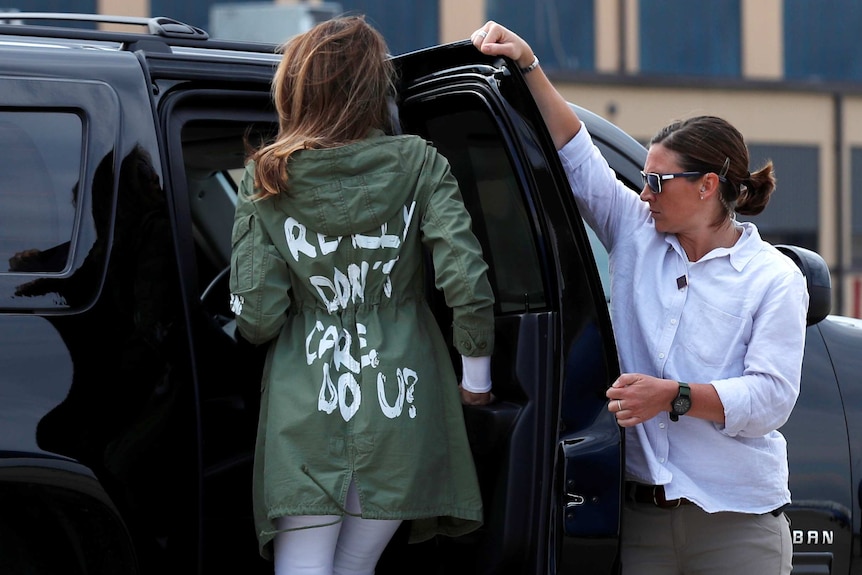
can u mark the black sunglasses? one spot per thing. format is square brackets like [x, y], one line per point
[654, 180]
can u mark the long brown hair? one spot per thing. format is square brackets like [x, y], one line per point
[330, 89]
[711, 144]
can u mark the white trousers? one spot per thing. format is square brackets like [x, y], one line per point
[330, 545]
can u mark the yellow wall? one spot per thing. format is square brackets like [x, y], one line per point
[140, 8]
[459, 18]
[762, 39]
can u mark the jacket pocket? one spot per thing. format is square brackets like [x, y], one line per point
[242, 254]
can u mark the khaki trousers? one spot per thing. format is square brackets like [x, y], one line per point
[689, 541]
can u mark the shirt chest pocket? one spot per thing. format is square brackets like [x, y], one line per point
[712, 337]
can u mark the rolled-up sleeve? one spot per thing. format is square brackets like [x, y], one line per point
[762, 398]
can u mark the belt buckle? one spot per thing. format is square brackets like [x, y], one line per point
[663, 502]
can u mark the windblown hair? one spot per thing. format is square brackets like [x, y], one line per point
[706, 144]
[329, 90]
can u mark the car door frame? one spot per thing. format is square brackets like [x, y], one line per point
[577, 446]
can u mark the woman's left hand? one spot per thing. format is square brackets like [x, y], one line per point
[635, 397]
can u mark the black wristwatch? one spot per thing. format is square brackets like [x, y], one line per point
[682, 403]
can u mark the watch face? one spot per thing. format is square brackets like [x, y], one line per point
[681, 405]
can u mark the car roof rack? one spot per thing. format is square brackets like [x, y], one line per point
[161, 33]
[157, 26]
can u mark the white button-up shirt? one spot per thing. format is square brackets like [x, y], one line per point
[737, 321]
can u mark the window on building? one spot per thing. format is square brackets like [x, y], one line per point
[407, 26]
[681, 37]
[54, 6]
[793, 211]
[822, 43]
[856, 206]
[560, 32]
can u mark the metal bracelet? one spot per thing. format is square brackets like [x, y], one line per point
[532, 66]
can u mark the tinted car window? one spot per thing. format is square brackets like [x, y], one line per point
[628, 173]
[601, 256]
[464, 132]
[40, 164]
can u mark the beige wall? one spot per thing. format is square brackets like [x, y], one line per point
[768, 116]
[762, 39]
[140, 8]
[459, 18]
[632, 36]
[123, 7]
[607, 16]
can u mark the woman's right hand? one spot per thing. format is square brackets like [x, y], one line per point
[470, 398]
[497, 40]
[561, 120]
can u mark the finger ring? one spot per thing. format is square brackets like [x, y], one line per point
[482, 33]
[619, 405]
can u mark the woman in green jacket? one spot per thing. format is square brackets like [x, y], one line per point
[360, 424]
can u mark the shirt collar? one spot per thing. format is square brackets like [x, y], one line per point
[745, 248]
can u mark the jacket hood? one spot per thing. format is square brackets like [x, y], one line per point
[354, 188]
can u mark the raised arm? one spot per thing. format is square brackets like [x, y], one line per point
[497, 40]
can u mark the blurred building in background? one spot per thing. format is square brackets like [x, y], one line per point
[788, 73]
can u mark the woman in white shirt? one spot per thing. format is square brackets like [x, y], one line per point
[710, 330]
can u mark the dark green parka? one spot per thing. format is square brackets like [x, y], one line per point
[358, 382]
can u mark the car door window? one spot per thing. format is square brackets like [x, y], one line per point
[209, 135]
[40, 163]
[464, 132]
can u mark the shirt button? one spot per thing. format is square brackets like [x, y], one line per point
[661, 356]
[483, 345]
[661, 460]
[468, 346]
[673, 322]
[661, 425]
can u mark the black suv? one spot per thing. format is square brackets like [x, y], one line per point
[128, 407]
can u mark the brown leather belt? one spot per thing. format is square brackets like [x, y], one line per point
[653, 495]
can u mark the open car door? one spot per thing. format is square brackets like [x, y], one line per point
[548, 453]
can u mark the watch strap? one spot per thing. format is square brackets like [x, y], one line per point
[684, 391]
